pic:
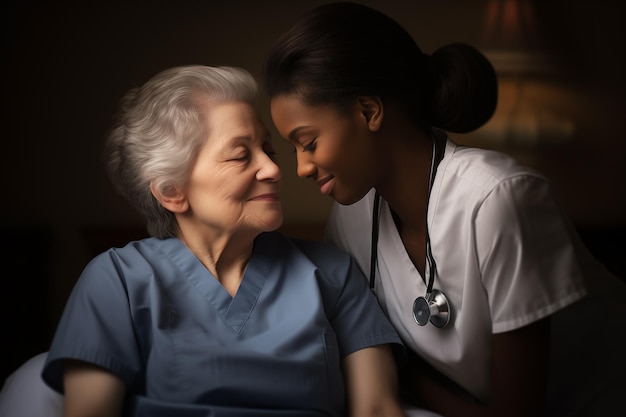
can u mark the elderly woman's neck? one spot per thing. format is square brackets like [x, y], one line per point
[225, 255]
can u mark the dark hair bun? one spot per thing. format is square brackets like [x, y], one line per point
[466, 88]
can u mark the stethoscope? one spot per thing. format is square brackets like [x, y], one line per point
[434, 306]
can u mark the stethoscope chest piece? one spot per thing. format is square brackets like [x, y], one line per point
[435, 309]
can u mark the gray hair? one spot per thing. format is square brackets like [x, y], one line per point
[159, 131]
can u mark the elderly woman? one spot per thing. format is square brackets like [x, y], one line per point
[215, 314]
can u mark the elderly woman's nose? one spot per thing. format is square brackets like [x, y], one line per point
[269, 169]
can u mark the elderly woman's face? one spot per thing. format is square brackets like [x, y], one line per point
[234, 184]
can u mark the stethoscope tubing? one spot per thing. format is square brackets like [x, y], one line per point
[434, 306]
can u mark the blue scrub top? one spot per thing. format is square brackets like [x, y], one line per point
[152, 314]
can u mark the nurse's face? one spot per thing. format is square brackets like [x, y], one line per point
[234, 184]
[335, 149]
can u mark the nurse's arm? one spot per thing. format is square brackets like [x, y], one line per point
[519, 378]
[91, 391]
[372, 383]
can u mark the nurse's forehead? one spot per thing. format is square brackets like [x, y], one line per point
[296, 108]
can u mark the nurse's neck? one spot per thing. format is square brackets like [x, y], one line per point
[406, 184]
[406, 189]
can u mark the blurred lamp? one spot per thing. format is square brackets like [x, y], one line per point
[529, 113]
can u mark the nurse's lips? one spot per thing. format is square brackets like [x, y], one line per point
[326, 184]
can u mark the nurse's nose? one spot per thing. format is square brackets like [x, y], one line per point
[306, 168]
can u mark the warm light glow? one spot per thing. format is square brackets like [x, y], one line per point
[530, 104]
[510, 24]
[530, 113]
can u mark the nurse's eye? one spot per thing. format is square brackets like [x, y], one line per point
[309, 147]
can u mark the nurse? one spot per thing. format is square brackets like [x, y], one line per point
[467, 251]
[215, 314]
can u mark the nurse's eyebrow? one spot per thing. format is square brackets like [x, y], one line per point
[293, 133]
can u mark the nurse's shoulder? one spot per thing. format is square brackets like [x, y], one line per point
[484, 167]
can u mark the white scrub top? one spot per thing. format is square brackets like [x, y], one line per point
[505, 258]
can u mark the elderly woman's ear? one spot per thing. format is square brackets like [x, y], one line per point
[174, 201]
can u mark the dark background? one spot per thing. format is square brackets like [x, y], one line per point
[66, 65]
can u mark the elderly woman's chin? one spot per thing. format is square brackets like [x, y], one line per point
[269, 219]
[274, 221]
